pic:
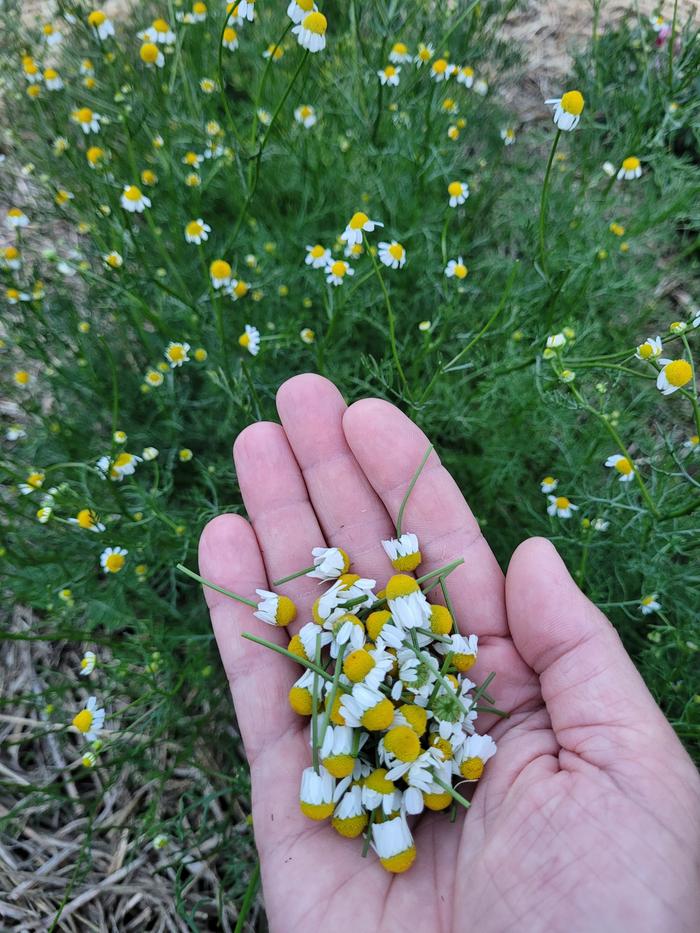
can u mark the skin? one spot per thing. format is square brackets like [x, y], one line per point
[588, 818]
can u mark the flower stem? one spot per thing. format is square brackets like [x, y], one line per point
[288, 654]
[330, 699]
[213, 586]
[449, 789]
[409, 490]
[391, 319]
[543, 205]
[293, 576]
[314, 705]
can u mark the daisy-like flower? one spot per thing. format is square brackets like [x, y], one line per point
[273, 51]
[404, 552]
[392, 254]
[464, 651]
[307, 335]
[113, 559]
[631, 168]
[399, 54]
[441, 70]
[94, 155]
[250, 340]
[16, 218]
[113, 259]
[393, 843]
[52, 35]
[473, 755]
[87, 519]
[311, 32]
[379, 792]
[567, 110]
[424, 54]
[458, 192]
[674, 375]
[336, 271]
[154, 378]
[35, 480]
[98, 21]
[678, 327]
[199, 12]
[238, 289]
[22, 378]
[52, 80]
[192, 159]
[398, 749]
[336, 750]
[159, 32]
[220, 272]
[353, 251]
[207, 85]
[229, 40]
[90, 720]
[316, 796]
[151, 55]
[508, 135]
[14, 295]
[15, 432]
[87, 663]
[651, 349]
[305, 115]
[692, 444]
[11, 258]
[124, 464]
[561, 506]
[197, 231]
[389, 75]
[275, 609]
[185, 455]
[407, 602]
[465, 76]
[246, 10]
[300, 9]
[350, 817]
[149, 453]
[549, 484]
[555, 341]
[456, 268]
[177, 353]
[366, 707]
[623, 465]
[133, 200]
[368, 667]
[649, 604]
[329, 563]
[358, 223]
[31, 70]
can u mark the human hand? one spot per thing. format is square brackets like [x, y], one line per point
[588, 818]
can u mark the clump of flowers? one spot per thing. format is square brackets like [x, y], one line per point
[385, 685]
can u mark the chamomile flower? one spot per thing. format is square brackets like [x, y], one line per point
[350, 816]
[98, 21]
[561, 506]
[336, 750]
[246, 10]
[113, 259]
[358, 223]
[393, 843]
[159, 32]
[207, 85]
[10, 257]
[199, 12]
[631, 168]
[113, 559]
[149, 453]
[407, 603]
[22, 378]
[366, 707]
[392, 254]
[14, 295]
[184, 455]
[151, 55]
[389, 75]
[623, 465]
[649, 604]
[651, 349]
[455, 268]
[463, 649]
[567, 110]
[316, 796]
[94, 156]
[399, 54]
[692, 444]
[229, 40]
[275, 52]
[305, 115]
[87, 519]
[441, 70]
[465, 76]
[473, 755]
[458, 192]
[16, 218]
[197, 231]
[15, 432]
[52, 36]
[311, 32]
[379, 792]
[673, 376]
[52, 80]
[404, 552]
[370, 668]
[87, 663]
[250, 340]
[35, 480]
[133, 200]
[555, 341]
[508, 135]
[329, 563]
[124, 464]
[154, 378]
[238, 289]
[298, 10]
[90, 720]
[176, 353]
[337, 270]
[275, 609]
[307, 335]
[424, 54]
[220, 272]
[549, 484]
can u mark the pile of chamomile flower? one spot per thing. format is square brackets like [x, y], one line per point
[386, 688]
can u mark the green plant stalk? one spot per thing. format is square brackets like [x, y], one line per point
[409, 490]
[692, 396]
[390, 316]
[422, 656]
[250, 891]
[671, 43]
[543, 204]
[330, 699]
[222, 83]
[310, 665]
[214, 586]
[449, 789]
[314, 706]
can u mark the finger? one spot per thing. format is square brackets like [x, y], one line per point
[351, 514]
[598, 704]
[389, 447]
[259, 678]
[278, 506]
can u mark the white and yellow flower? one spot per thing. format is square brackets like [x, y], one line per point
[305, 115]
[176, 353]
[86, 518]
[407, 602]
[358, 223]
[455, 268]
[133, 200]
[465, 76]
[104, 27]
[229, 40]
[298, 10]
[11, 258]
[151, 55]
[316, 795]
[154, 378]
[403, 552]
[389, 75]
[623, 465]
[311, 32]
[149, 453]
[393, 843]
[220, 273]
[159, 32]
[275, 609]
[561, 506]
[649, 604]
[329, 563]
[15, 217]
[441, 70]
[52, 80]
[549, 484]
[52, 36]
[651, 349]
[473, 755]
[458, 192]
[350, 817]
[113, 559]
[87, 663]
[90, 720]
[399, 54]
[631, 168]
[197, 231]
[337, 270]
[567, 110]
[113, 259]
[250, 340]
[673, 376]
[35, 480]
[508, 135]
[424, 54]
[392, 254]
[366, 707]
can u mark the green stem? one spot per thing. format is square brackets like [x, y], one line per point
[671, 43]
[390, 316]
[287, 654]
[293, 576]
[449, 789]
[330, 699]
[248, 899]
[214, 586]
[543, 204]
[409, 490]
[314, 706]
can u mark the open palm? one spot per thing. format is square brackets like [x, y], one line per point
[589, 815]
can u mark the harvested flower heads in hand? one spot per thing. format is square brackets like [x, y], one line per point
[392, 712]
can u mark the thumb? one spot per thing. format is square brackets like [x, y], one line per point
[598, 704]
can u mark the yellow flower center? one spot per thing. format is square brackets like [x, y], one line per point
[14, 212]
[401, 862]
[472, 768]
[402, 742]
[96, 18]
[22, 377]
[35, 480]
[396, 250]
[631, 163]
[357, 665]
[424, 53]
[454, 189]
[679, 372]
[463, 662]
[50, 74]
[12, 294]
[400, 585]
[416, 716]
[440, 66]
[220, 269]
[194, 228]
[305, 112]
[241, 289]
[84, 115]
[358, 220]
[390, 71]
[339, 766]
[376, 621]
[286, 611]
[132, 193]
[317, 251]
[86, 518]
[461, 270]
[443, 744]
[316, 23]
[437, 801]
[244, 340]
[351, 826]
[378, 782]
[399, 48]
[94, 154]
[300, 700]
[199, 8]
[317, 811]
[694, 440]
[84, 663]
[83, 720]
[124, 459]
[339, 268]
[379, 717]
[624, 466]
[114, 563]
[230, 34]
[11, 252]
[149, 52]
[440, 620]
[148, 177]
[160, 25]
[305, 5]
[645, 351]
[572, 102]
[562, 502]
[548, 480]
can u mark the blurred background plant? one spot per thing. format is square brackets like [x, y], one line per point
[525, 367]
